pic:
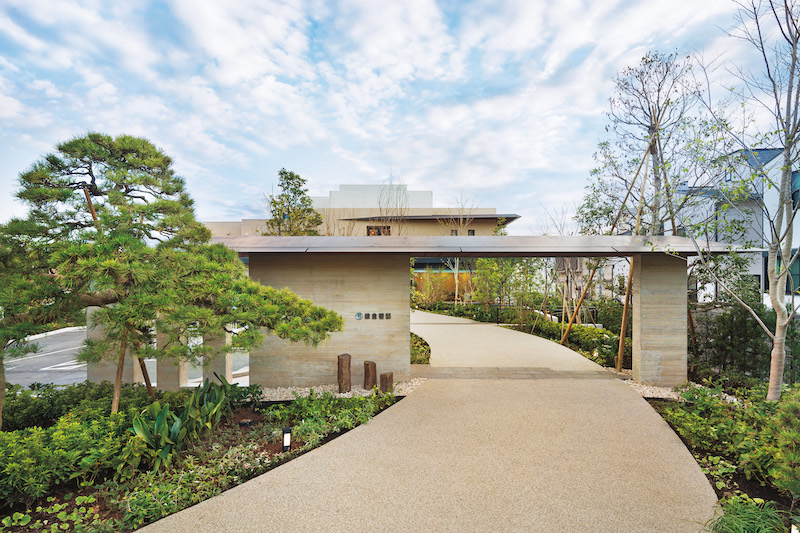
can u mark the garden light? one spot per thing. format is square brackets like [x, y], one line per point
[287, 439]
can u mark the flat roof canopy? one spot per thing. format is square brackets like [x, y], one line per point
[507, 219]
[500, 246]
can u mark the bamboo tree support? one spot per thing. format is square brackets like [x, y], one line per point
[544, 303]
[578, 305]
[624, 328]
[145, 374]
[621, 350]
[90, 204]
[613, 227]
[691, 330]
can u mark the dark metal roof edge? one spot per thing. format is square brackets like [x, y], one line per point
[477, 246]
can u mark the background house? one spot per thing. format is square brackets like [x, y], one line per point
[380, 210]
[748, 196]
[393, 210]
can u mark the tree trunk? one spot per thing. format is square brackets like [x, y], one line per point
[2, 384]
[118, 379]
[456, 280]
[777, 287]
[690, 320]
[655, 215]
[777, 358]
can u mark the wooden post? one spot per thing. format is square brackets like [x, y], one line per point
[624, 328]
[387, 382]
[370, 374]
[344, 372]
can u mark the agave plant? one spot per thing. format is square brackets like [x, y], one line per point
[162, 431]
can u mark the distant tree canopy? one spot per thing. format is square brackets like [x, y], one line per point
[291, 211]
[110, 225]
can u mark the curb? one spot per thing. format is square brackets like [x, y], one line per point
[56, 332]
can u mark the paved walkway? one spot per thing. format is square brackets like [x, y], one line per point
[462, 348]
[537, 454]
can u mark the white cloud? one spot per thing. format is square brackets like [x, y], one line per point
[488, 97]
[246, 40]
[47, 87]
[10, 107]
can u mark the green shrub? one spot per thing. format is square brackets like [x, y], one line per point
[312, 417]
[41, 405]
[86, 442]
[609, 314]
[161, 432]
[587, 339]
[787, 459]
[743, 432]
[239, 396]
[732, 341]
[34, 460]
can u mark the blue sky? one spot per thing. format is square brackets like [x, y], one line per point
[499, 103]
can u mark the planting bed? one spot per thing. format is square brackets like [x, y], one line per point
[245, 443]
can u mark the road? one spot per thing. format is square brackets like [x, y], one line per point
[55, 362]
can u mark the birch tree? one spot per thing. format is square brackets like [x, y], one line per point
[772, 28]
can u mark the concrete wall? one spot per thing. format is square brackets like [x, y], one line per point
[347, 284]
[659, 320]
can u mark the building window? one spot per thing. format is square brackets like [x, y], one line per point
[379, 230]
[454, 233]
[471, 232]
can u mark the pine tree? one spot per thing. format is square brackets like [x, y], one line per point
[112, 226]
[291, 211]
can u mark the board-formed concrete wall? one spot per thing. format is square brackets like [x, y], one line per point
[348, 284]
[659, 320]
[106, 370]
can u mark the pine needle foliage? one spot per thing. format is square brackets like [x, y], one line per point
[111, 226]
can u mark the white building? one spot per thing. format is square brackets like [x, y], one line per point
[749, 195]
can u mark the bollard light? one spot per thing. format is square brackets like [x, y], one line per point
[287, 439]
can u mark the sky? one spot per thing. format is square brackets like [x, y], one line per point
[496, 103]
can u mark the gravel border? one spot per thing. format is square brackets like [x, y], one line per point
[404, 388]
[664, 393]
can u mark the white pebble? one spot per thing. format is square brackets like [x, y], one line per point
[404, 388]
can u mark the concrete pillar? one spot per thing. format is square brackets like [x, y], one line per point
[222, 364]
[170, 375]
[659, 320]
[106, 370]
[354, 286]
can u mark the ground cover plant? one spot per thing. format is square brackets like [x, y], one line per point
[94, 471]
[749, 449]
[420, 351]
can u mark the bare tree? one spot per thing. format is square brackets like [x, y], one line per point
[457, 221]
[649, 111]
[338, 221]
[393, 205]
